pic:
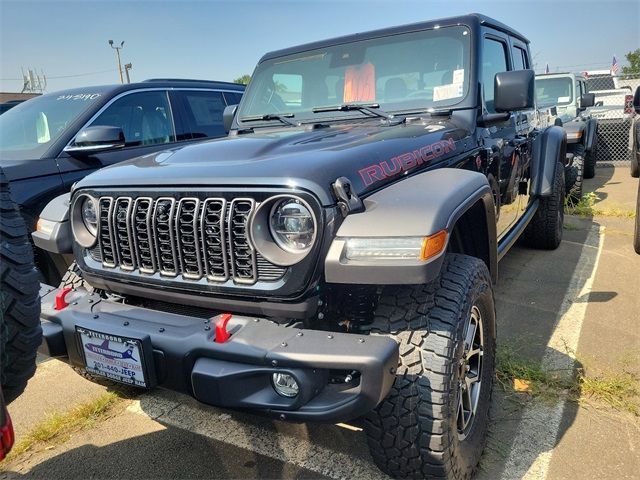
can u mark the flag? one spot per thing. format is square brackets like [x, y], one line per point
[546, 69]
[614, 66]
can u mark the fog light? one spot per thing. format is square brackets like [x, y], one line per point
[285, 384]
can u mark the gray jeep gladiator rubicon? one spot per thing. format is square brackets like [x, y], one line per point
[333, 258]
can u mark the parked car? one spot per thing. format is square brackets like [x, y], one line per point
[370, 184]
[634, 136]
[6, 106]
[567, 92]
[54, 140]
[613, 110]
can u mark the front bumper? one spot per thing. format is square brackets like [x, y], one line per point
[183, 356]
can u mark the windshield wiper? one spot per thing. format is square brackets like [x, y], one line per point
[372, 108]
[271, 116]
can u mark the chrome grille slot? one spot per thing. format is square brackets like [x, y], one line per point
[188, 236]
[213, 239]
[122, 233]
[107, 251]
[142, 235]
[194, 238]
[163, 228]
[243, 261]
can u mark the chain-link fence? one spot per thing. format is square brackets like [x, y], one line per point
[614, 111]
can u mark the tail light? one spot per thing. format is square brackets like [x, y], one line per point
[628, 104]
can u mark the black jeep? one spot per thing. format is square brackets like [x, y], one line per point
[335, 256]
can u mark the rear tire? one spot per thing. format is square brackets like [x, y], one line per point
[635, 165]
[590, 159]
[20, 330]
[545, 229]
[636, 230]
[573, 183]
[418, 431]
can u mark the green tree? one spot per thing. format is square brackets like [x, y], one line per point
[634, 63]
[244, 79]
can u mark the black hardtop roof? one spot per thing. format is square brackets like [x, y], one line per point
[473, 20]
[152, 83]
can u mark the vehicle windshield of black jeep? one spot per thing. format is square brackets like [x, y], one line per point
[30, 128]
[554, 91]
[408, 72]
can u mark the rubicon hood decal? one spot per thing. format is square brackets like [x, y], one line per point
[405, 161]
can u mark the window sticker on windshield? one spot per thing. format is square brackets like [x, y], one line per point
[458, 76]
[564, 99]
[360, 83]
[446, 92]
[80, 96]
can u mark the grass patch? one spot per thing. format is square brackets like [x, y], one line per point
[619, 389]
[586, 207]
[58, 427]
[570, 227]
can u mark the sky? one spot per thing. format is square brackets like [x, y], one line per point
[222, 40]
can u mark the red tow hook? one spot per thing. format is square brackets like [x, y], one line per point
[222, 335]
[6, 436]
[61, 301]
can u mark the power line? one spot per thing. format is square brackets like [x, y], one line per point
[66, 76]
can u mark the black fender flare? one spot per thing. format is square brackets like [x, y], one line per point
[418, 206]
[549, 148]
[590, 137]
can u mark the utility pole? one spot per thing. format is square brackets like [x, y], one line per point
[127, 67]
[117, 49]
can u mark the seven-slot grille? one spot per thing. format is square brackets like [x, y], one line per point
[191, 237]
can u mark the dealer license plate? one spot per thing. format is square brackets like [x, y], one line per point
[114, 357]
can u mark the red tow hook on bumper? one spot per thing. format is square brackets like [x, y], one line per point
[60, 300]
[222, 335]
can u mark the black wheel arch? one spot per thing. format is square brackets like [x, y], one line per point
[549, 150]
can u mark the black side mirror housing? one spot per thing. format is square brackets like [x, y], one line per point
[97, 138]
[514, 91]
[227, 116]
[587, 100]
[636, 100]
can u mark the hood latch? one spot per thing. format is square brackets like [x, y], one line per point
[348, 200]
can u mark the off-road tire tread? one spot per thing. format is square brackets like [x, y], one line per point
[590, 158]
[73, 278]
[543, 232]
[20, 330]
[574, 185]
[409, 433]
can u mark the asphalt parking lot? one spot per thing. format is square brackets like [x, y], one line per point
[575, 304]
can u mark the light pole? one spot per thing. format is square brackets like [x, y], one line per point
[127, 67]
[117, 49]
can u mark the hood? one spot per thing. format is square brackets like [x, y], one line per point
[368, 154]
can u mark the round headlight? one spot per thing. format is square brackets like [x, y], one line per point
[89, 215]
[292, 225]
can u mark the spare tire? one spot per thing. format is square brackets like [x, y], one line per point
[20, 330]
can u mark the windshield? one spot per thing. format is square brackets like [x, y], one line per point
[28, 130]
[554, 91]
[409, 72]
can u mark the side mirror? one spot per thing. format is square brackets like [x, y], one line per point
[227, 116]
[587, 100]
[636, 100]
[96, 139]
[514, 90]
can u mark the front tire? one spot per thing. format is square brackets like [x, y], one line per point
[545, 229]
[20, 330]
[434, 421]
